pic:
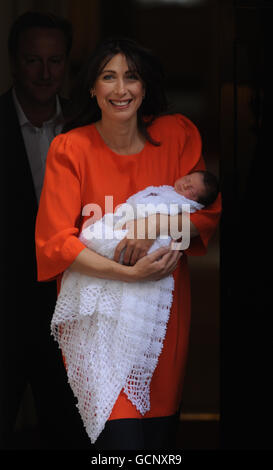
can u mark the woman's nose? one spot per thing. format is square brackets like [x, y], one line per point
[120, 87]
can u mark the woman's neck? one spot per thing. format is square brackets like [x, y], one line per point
[122, 137]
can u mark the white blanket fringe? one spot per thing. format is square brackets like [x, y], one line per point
[111, 333]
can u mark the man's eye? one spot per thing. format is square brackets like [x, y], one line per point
[30, 60]
[56, 60]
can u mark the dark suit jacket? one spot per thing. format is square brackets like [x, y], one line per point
[28, 352]
[18, 218]
[28, 304]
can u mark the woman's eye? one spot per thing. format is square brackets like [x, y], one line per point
[133, 76]
[107, 77]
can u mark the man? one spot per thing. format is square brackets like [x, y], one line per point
[31, 114]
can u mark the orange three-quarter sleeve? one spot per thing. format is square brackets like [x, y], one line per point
[59, 214]
[207, 219]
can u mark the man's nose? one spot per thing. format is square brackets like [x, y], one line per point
[45, 71]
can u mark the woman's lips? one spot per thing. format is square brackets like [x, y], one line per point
[120, 104]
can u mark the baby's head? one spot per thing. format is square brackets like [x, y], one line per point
[199, 186]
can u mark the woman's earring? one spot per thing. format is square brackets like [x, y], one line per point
[92, 93]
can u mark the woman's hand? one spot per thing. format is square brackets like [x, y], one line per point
[156, 265]
[136, 243]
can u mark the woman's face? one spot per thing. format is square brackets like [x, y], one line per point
[119, 90]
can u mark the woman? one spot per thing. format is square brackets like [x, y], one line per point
[117, 144]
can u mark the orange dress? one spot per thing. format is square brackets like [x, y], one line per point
[82, 170]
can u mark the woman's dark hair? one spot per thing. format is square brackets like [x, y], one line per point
[85, 110]
[34, 19]
[212, 188]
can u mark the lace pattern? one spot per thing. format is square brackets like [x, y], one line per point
[111, 332]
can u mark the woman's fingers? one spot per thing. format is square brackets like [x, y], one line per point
[127, 255]
[170, 258]
[157, 264]
[134, 249]
[168, 263]
[121, 245]
[173, 261]
[135, 256]
[159, 253]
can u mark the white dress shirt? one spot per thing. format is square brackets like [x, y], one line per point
[37, 141]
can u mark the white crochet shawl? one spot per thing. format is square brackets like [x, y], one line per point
[111, 333]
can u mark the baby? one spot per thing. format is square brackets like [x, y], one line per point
[189, 193]
[111, 332]
[199, 186]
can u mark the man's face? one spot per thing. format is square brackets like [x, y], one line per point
[39, 66]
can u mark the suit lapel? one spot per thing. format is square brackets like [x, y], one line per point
[18, 167]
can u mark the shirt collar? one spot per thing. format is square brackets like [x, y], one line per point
[22, 117]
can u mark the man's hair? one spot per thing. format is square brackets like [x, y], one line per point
[34, 19]
[211, 188]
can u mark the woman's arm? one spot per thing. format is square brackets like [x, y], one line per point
[155, 266]
[151, 227]
[202, 223]
[57, 244]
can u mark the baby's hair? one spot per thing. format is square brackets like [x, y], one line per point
[212, 188]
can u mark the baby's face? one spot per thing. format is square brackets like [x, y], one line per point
[190, 186]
